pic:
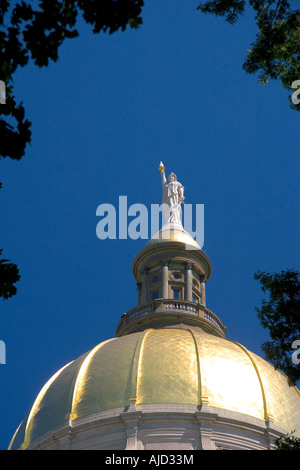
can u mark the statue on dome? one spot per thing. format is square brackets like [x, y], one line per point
[172, 196]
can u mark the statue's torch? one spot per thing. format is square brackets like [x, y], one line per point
[161, 167]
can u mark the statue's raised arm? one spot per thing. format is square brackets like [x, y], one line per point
[163, 175]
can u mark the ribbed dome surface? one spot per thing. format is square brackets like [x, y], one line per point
[180, 364]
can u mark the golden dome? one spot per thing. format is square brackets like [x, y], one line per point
[173, 365]
[174, 233]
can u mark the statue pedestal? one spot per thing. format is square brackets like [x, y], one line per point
[167, 228]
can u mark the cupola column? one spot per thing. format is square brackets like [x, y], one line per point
[139, 291]
[144, 293]
[202, 289]
[164, 278]
[188, 281]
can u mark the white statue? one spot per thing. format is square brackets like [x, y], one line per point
[172, 196]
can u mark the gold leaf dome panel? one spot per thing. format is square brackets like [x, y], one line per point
[174, 365]
[172, 233]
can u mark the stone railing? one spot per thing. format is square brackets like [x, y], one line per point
[170, 306]
[212, 317]
[189, 307]
[137, 312]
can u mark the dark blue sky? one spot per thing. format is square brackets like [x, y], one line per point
[103, 117]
